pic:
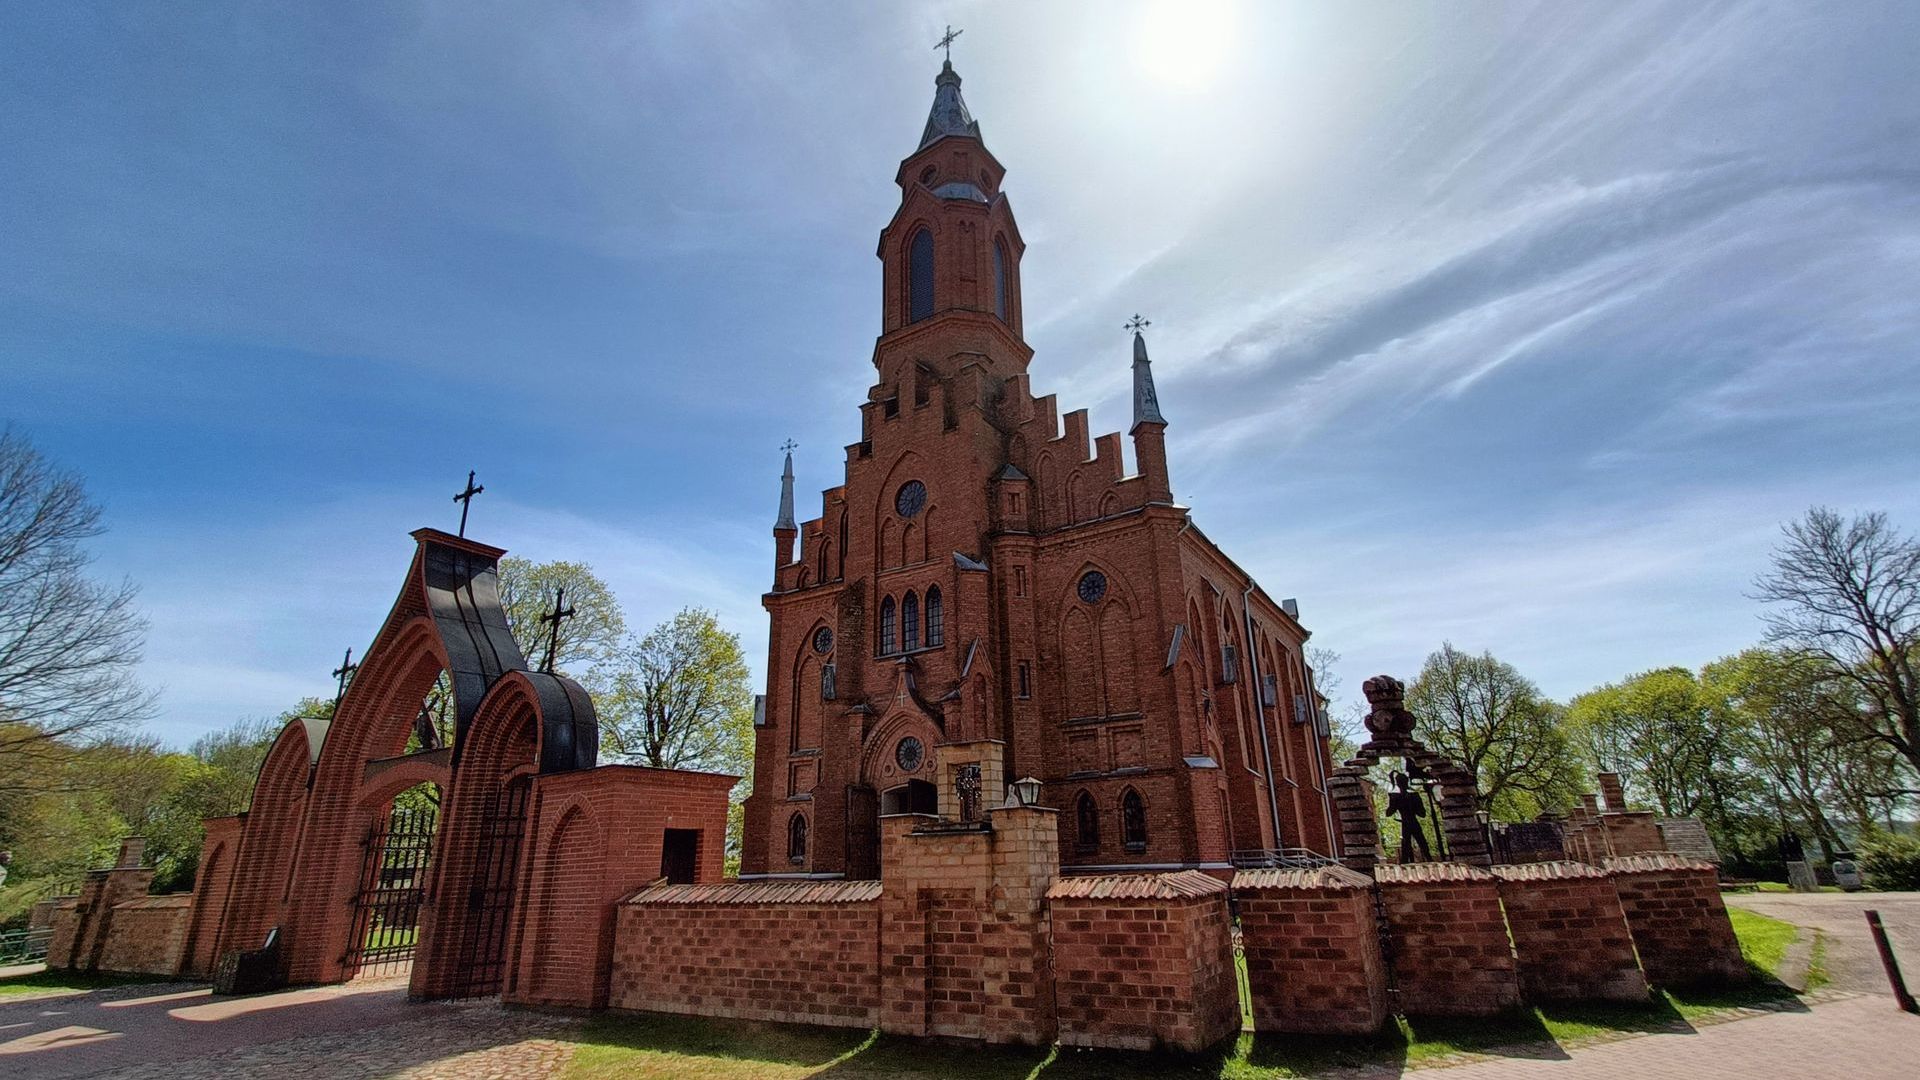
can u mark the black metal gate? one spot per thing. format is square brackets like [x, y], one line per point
[483, 936]
[393, 882]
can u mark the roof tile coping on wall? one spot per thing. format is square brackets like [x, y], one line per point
[1558, 870]
[1432, 873]
[770, 892]
[1319, 877]
[1181, 885]
[1659, 860]
[143, 903]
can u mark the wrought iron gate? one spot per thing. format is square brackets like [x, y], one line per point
[393, 883]
[483, 935]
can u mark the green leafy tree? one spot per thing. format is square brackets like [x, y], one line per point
[1493, 721]
[588, 640]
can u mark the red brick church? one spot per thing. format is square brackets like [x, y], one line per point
[989, 595]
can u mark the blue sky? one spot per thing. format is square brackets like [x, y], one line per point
[1522, 326]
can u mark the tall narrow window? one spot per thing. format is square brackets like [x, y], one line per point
[1000, 279]
[797, 839]
[1133, 821]
[920, 277]
[936, 619]
[910, 623]
[886, 626]
[1086, 815]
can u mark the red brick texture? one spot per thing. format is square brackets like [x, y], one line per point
[1679, 923]
[1143, 962]
[148, 936]
[1569, 933]
[1312, 943]
[83, 929]
[964, 927]
[212, 887]
[596, 837]
[791, 953]
[1449, 950]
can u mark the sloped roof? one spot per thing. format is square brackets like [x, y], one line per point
[761, 892]
[1431, 873]
[1557, 870]
[1659, 860]
[949, 115]
[1318, 877]
[1183, 884]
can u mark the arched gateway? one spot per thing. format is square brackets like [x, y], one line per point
[403, 829]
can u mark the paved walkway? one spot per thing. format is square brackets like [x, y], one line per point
[1859, 1037]
[1852, 961]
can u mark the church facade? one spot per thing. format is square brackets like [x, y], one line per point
[991, 594]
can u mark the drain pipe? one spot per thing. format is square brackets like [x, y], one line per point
[1260, 715]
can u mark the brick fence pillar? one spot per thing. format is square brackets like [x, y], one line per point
[1450, 954]
[1569, 933]
[1313, 950]
[1679, 923]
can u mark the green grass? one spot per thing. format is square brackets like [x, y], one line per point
[41, 982]
[660, 1047]
[1781, 887]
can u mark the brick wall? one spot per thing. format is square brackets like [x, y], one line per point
[148, 935]
[212, 885]
[1569, 933]
[1143, 961]
[1633, 833]
[81, 931]
[1449, 951]
[789, 952]
[597, 836]
[1313, 950]
[1680, 926]
[964, 928]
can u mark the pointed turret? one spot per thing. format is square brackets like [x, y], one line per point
[949, 115]
[1146, 403]
[784, 529]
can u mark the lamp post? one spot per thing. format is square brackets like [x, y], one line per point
[1486, 828]
[1025, 792]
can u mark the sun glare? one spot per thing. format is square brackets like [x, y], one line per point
[1184, 43]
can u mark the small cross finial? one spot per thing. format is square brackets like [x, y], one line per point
[1137, 324]
[343, 673]
[789, 446]
[552, 619]
[946, 41]
[465, 499]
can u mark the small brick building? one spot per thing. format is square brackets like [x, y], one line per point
[985, 573]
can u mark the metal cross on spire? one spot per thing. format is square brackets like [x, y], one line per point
[789, 446]
[946, 41]
[552, 619]
[1137, 324]
[465, 499]
[343, 673]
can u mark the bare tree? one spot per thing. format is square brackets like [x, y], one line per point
[68, 645]
[1848, 595]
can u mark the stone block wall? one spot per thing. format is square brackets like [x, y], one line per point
[1143, 961]
[1312, 943]
[1679, 923]
[1569, 934]
[1449, 950]
[595, 837]
[790, 952]
[964, 927]
[149, 935]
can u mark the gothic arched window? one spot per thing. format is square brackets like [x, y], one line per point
[936, 618]
[1086, 816]
[910, 623]
[886, 626]
[920, 277]
[1133, 821]
[1000, 305]
[797, 839]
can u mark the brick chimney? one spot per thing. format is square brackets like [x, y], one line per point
[133, 851]
[1614, 795]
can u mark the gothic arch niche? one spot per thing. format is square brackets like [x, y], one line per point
[1096, 633]
[807, 708]
[888, 524]
[1391, 728]
[1086, 824]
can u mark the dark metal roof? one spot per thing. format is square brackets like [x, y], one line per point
[949, 115]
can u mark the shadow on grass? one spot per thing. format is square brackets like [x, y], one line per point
[1761, 991]
[796, 1045]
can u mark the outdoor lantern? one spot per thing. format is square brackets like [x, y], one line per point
[1027, 791]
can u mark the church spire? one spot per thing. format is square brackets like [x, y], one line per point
[785, 520]
[949, 115]
[1146, 403]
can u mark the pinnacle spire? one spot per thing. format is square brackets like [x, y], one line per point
[949, 115]
[785, 520]
[1146, 403]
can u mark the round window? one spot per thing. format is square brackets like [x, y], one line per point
[823, 640]
[1093, 586]
[909, 754]
[911, 498]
